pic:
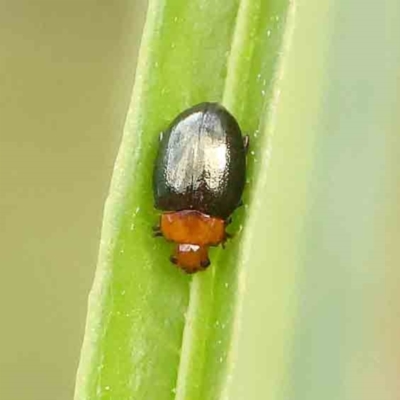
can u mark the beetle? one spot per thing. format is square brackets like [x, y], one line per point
[198, 181]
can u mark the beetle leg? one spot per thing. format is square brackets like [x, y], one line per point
[227, 236]
[240, 204]
[157, 231]
[228, 221]
[246, 143]
[205, 263]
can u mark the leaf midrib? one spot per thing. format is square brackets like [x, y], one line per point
[198, 293]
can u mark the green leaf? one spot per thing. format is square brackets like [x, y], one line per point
[152, 331]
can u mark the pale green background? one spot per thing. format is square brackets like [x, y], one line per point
[65, 81]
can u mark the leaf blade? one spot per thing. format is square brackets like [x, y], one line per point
[138, 303]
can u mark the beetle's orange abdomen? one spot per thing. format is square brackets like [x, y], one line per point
[192, 227]
[193, 232]
[191, 258]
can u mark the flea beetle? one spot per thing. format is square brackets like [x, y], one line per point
[198, 181]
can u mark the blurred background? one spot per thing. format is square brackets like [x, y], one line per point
[65, 83]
